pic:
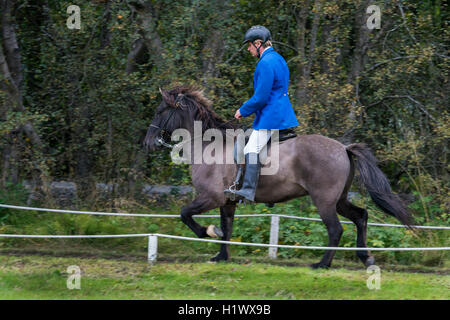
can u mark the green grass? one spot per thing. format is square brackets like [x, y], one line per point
[44, 277]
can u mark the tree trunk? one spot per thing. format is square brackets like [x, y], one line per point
[147, 30]
[138, 55]
[359, 59]
[307, 62]
[148, 46]
[327, 38]
[11, 83]
[105, 34]
[213, 50]
[301, 18]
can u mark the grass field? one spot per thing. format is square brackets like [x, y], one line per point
[45, 277]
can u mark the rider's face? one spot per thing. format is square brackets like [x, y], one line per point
[253, 48]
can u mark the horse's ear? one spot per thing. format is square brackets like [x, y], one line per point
[165, 95]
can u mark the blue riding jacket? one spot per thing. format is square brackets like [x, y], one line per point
[270, 101]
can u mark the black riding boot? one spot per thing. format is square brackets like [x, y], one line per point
[251, 177]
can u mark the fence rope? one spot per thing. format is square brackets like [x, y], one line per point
[298, 247]
[206, 216]
[222, 242]
[82, 236]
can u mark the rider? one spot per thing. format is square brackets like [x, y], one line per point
[270, 104]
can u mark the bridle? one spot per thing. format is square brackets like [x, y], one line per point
[162, 130]
[160, 138]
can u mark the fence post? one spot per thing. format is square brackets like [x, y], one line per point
[152, 248]
[274, 226]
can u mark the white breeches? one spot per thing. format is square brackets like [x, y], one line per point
[257, 140]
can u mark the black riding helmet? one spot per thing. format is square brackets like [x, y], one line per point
[257, 33]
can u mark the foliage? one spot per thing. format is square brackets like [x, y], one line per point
[93, 115]
[11, 194]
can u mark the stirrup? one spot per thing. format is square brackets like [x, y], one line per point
[231, 195]
[231, 192]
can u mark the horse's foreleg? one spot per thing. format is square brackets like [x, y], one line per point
[198, 206]
[226, 224]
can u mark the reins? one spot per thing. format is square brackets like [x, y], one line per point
[160, 138]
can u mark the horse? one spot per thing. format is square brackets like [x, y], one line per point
[313, 165]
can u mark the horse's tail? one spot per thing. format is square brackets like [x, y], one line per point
[377, 184]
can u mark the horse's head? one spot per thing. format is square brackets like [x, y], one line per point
[171, 114]
[179, 108]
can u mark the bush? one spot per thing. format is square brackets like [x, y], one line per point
[14, 195]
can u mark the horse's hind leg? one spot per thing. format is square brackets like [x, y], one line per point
[226, 224]
[334, 228]
[359, 217]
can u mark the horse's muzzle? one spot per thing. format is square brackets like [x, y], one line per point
[151, 144]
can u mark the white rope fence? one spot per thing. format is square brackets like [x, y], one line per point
[153, 237]
[153, 243]
[205, 216]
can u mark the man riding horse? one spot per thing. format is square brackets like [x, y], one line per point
[270, 103]
[312, 165]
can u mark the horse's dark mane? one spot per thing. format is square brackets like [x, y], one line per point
[200, 107]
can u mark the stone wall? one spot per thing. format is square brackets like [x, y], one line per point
[64, 193]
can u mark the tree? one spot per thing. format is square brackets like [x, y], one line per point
[11, 83]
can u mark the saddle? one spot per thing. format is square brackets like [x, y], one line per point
[239, 157]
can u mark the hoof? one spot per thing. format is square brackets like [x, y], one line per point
[319, 265]
[214, 232]
[370, 261]
[218, 258]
